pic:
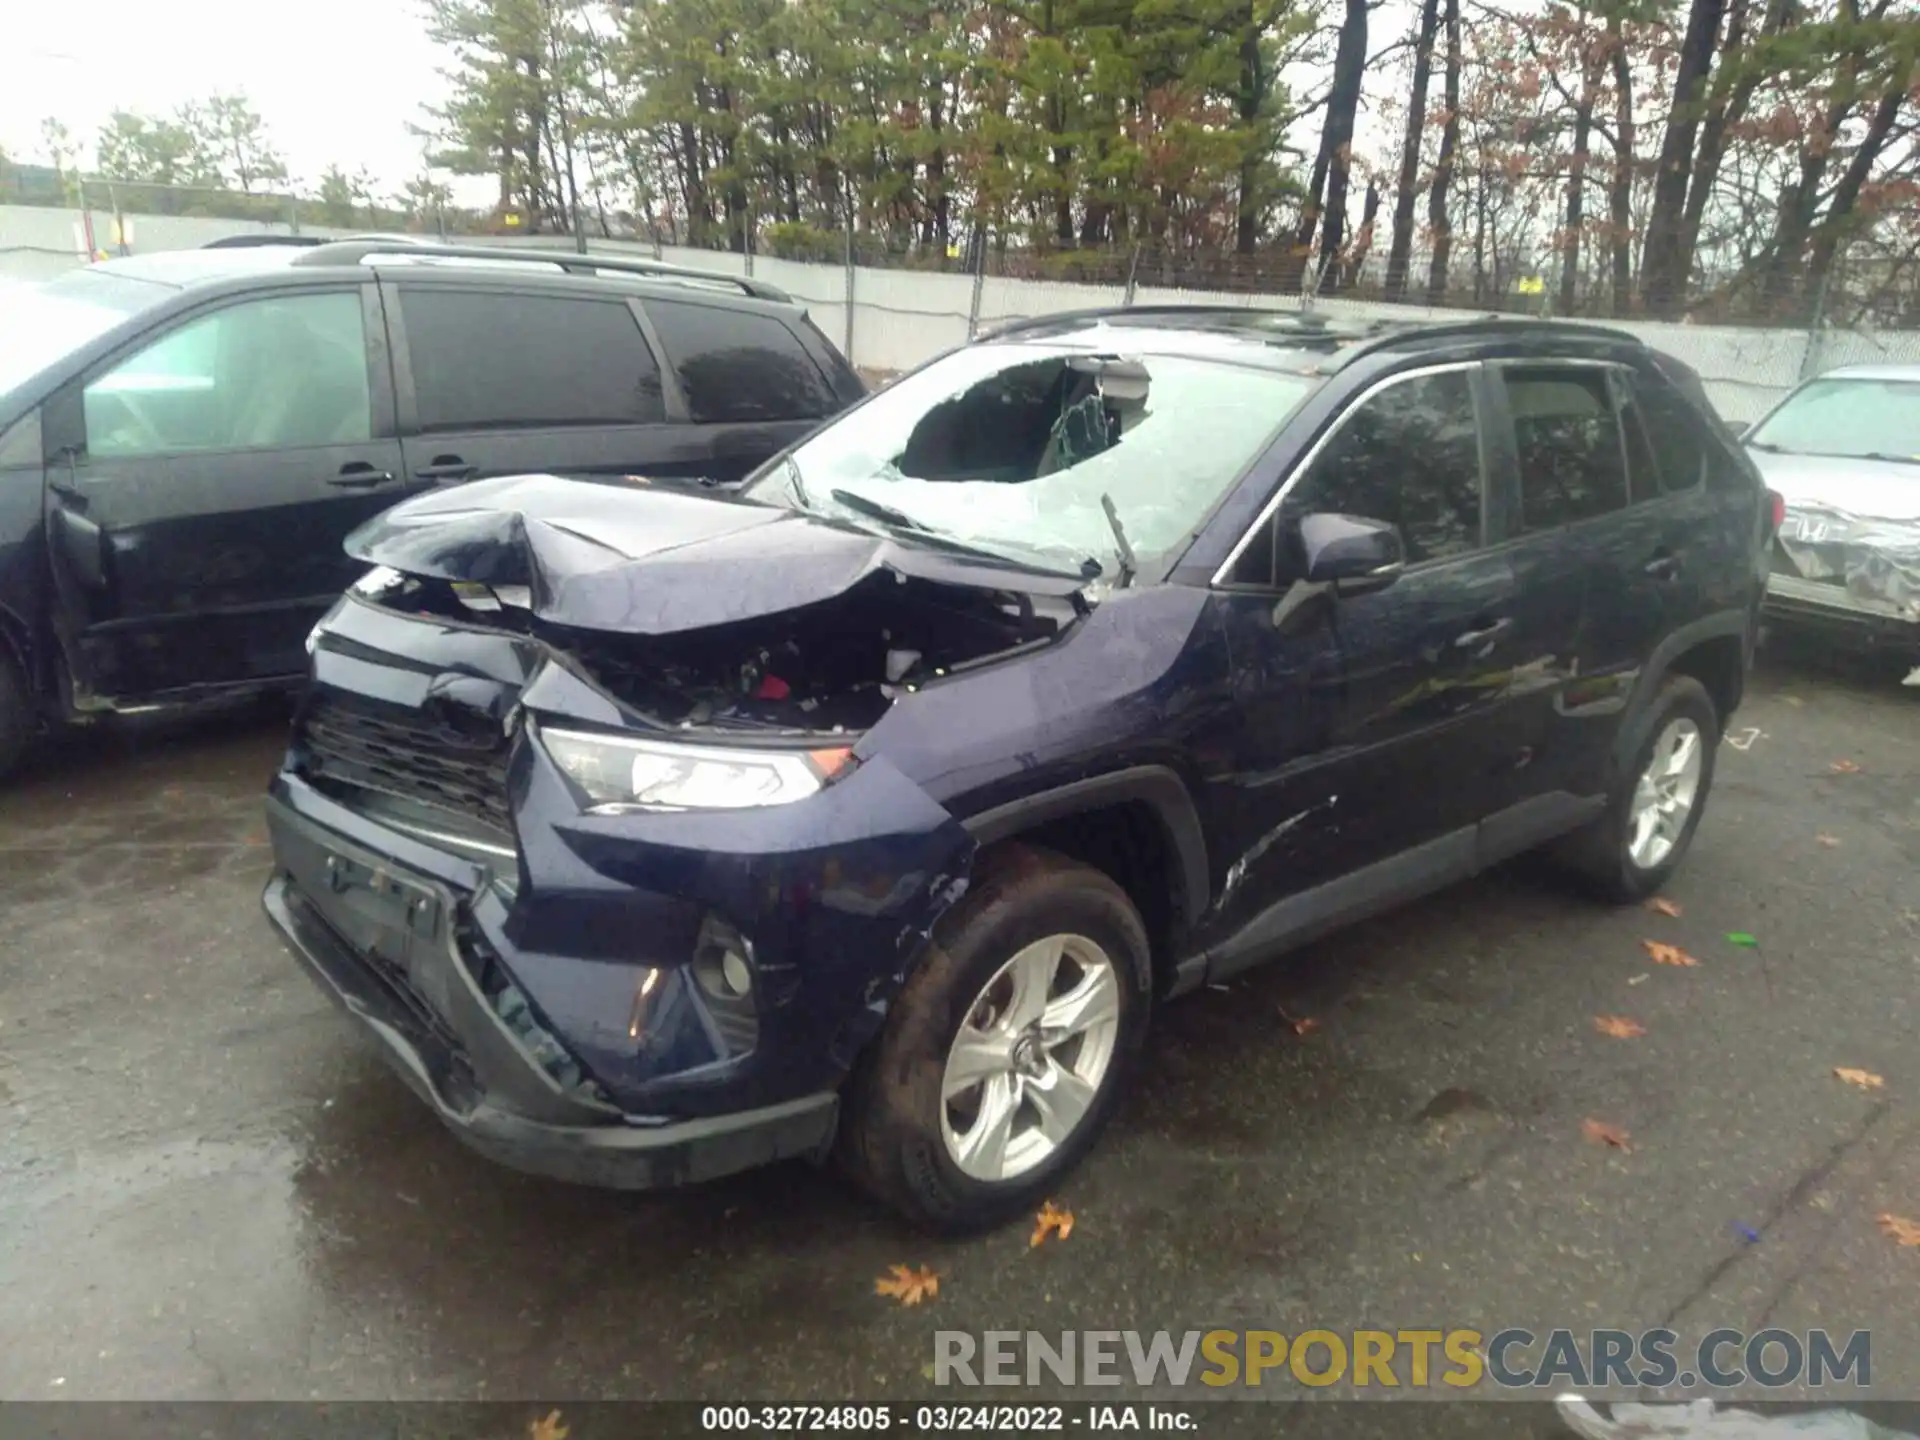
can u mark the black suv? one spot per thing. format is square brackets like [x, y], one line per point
[655, 833]
[187, 438]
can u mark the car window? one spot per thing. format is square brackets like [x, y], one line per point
[489, 360]
[1567, 438]
[1408, 455]
[281, 372]
[1674, 434]
[735, 365]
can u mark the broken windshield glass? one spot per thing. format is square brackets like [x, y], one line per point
[1025, 449]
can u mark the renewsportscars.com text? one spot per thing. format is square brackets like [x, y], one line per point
[1412, 1359]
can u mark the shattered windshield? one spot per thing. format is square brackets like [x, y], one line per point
[1047, 454]
[1851, 418]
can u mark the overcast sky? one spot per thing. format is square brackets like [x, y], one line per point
[337, 82]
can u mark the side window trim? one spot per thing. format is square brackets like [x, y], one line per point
[1327, 436]
[673, 399]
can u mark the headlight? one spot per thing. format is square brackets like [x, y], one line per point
[621, 774]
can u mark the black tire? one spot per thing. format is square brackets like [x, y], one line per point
[18, 721]
[890, 1140]
[1598, 853]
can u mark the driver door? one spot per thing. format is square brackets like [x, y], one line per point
[200, 485]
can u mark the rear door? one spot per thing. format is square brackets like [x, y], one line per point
[199, 486]
[499, 379]
[1598, 560]
[752, 387]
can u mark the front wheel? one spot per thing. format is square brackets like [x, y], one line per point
[1632, 849]
[1007, 1050]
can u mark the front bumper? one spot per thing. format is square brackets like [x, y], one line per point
[1847, 619]
[384, 943]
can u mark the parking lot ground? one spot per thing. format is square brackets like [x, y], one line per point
[211, 1188]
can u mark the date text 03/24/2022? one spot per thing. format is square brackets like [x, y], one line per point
[943, 1418]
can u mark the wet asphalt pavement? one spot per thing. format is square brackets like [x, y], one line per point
[211, 1188]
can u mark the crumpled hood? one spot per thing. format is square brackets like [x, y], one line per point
[1869, 489]
[646, 559]
[1855, 523]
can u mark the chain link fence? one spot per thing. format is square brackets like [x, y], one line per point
[891, 308]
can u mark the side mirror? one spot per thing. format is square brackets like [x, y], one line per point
[1351, 554]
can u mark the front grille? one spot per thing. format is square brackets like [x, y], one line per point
[397, 753]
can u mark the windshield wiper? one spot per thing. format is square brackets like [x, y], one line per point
[874, 510]
[1129, 567]
[797, 487]
[1890, 459]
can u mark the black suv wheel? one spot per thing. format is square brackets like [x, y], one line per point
[1006, 1052]
[1658, 797]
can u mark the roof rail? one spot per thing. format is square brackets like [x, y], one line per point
[1385, 332]
[1303, 323]
[593, 262]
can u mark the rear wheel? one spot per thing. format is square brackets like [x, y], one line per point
[1632, 849]
[1006, 1052]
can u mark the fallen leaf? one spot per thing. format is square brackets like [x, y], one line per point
[548, 1427]
[1305, 1025]
[1742, 939]
[908, 1286]
[1639, 979]
[1827, 840]
[1051, 1220]
[1667, 954]
[1901, 1231]
[1793, 700]
[1865, 1079]
[1660, 905]
[1845, 767]
[1618, 1026]
[1601, 1133]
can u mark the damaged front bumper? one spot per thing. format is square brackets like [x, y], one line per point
[1854, 578]
[464, 1062]
[538, 971]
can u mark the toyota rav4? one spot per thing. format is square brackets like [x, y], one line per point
[656, 832]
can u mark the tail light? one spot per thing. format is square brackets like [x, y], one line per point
[1777, 507]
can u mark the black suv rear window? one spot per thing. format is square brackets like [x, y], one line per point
[489, 360]
[737, 366]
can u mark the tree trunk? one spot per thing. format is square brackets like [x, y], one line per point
[1343, 104]
[1400, 252]
[1362, 239]
[1666, 262]
[1254, 83]
[1620, 191]
[1591, 58]
[1437, 220]
[1841, 221]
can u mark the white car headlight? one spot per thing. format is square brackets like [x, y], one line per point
[621, 774]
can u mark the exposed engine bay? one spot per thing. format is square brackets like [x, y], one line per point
[833, 666]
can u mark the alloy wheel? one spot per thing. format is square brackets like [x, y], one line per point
[1665, 793]
[1028, 1062]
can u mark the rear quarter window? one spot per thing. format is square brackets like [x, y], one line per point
[736, 366]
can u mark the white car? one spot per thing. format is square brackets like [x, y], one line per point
[1843, 450]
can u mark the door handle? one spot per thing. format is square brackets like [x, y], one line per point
[1664, 566]
[447, 467]
[358, 475]
[1474, 639]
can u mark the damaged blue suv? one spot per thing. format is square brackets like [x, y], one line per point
[655, 830]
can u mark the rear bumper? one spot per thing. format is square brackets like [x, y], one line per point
[386, 952]
[1844, 618]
